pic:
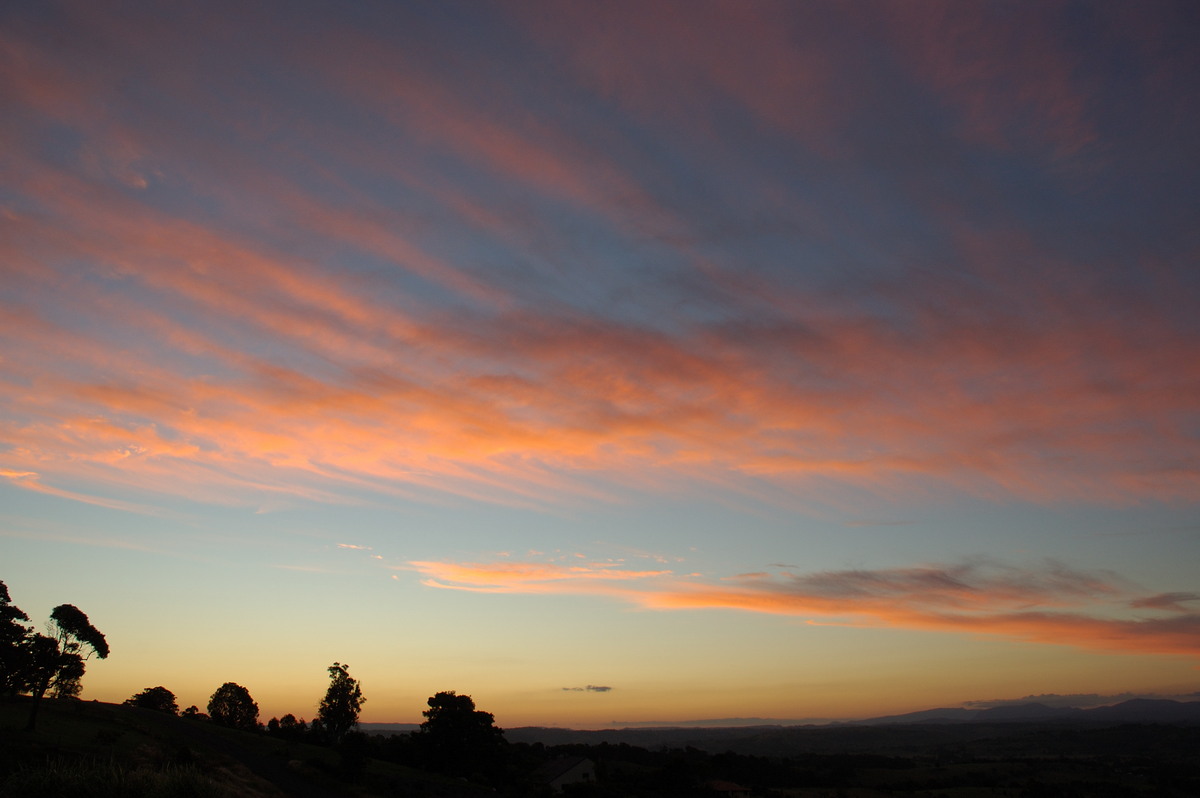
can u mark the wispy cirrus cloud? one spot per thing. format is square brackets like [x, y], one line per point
[1049, 604]
[586, 398]
[30, 480]
[341, 318]
[307, 569]
[530, 577]
[77, 540]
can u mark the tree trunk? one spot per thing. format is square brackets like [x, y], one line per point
[33, 710]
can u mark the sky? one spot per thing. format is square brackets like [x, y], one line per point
[612, 363]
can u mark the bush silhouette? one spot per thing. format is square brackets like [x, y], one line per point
[157, 698]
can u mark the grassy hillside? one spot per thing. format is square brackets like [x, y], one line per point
[91, 749]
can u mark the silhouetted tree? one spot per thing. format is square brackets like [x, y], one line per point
[14, 649]
[342, 701]
[231, 705]
[458, 739]
[193, 712]
[57, 660]
[157, 698]
[288, 728]
[69, 683]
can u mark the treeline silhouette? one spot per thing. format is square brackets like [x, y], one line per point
[455, 739]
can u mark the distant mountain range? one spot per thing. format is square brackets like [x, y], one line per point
[947, 724]
[720, 723]
[388, 728]
[1135, 711]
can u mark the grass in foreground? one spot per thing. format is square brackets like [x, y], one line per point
[110, 780]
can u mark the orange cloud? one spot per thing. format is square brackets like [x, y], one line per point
[31, 481]
[599, 399]
[528, 577]
[1052, 604]
[237, 348]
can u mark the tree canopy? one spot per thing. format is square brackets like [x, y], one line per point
[231, 705]
[14, 653]
[157, 698]
[339, 708]
[75, 633]
[456, 737]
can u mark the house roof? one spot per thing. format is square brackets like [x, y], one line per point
[559, 767]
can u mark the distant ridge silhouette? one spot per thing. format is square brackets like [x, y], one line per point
[1136, 710]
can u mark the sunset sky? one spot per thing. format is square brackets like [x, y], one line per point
[611, 362]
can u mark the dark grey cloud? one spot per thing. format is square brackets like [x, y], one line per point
[1165, 601]
[591, 688]
[972, 581]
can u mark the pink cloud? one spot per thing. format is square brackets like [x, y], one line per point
[32, 481]
[528, 577]
[609, 400]
[1051, 604]
[197, 347]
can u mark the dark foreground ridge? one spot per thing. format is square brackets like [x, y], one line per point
[1140, 748]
